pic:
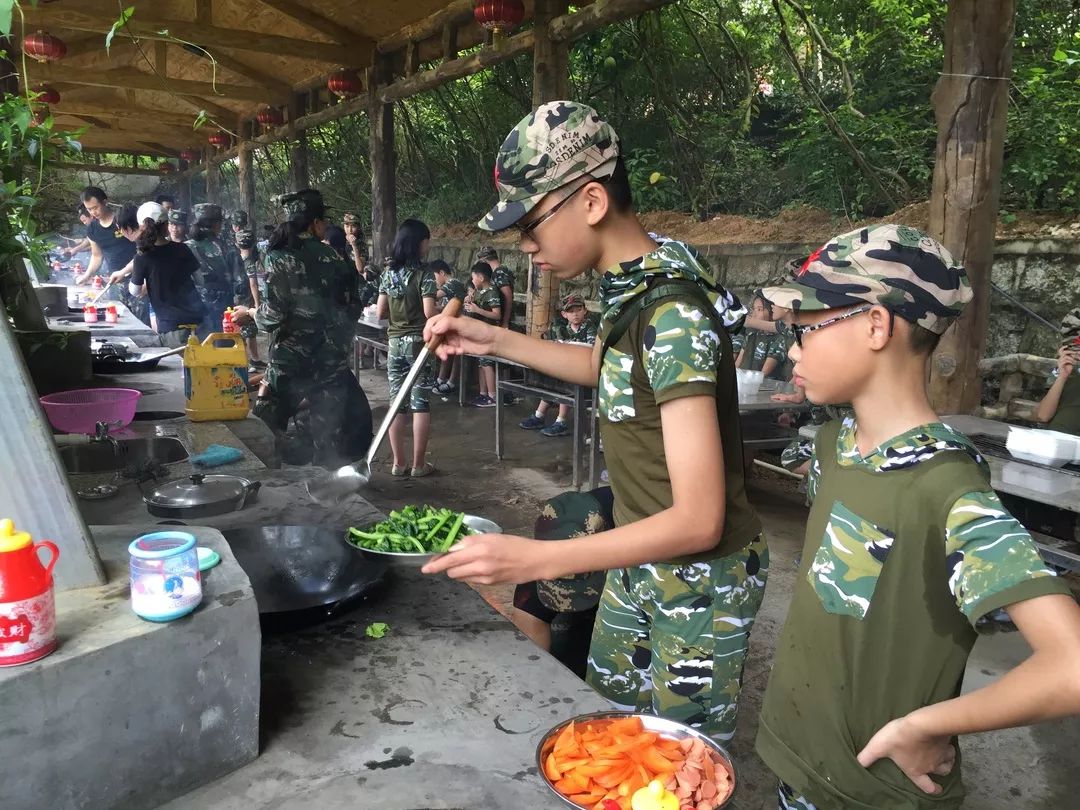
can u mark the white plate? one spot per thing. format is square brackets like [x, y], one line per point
[479, 525]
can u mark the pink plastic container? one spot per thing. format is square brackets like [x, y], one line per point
[79, 411]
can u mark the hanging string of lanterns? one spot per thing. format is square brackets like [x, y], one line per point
[499, 16]
[345, 84]
[270, 117]
[44, 47]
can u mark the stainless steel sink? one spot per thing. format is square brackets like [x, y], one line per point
[102, 456]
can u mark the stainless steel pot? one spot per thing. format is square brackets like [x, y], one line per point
[201, 496]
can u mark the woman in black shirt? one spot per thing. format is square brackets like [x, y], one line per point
[165, 271]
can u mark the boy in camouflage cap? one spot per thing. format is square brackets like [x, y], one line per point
[1060, 407]
[575, 327]
[907, 547]
[686, 562]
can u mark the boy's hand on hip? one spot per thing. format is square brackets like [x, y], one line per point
[490, 559]
[915, 752]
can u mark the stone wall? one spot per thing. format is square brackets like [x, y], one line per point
[1044, 274]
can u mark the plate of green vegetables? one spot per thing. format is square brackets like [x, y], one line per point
[415, 534]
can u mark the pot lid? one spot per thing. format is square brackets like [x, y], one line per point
[198, 490]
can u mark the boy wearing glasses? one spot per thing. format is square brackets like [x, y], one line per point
[686, 562]
[906, 549]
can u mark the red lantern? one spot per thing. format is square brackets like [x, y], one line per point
[345, 84]
[44, 47]
[270, 117]
[190, 155]
[499, 16]
[47, 95]
[165, 167]
[219, 140]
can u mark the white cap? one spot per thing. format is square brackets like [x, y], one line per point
[151, 210]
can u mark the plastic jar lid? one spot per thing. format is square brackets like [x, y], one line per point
[159, 545]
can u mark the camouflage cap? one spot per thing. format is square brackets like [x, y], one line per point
[207, 212]
[571, 514]
[558, 143]
[487, 252]
[898, 267]
[1070, 328]
[240, 219]
[572, 300]
[350, 219]
[177, 217]
[303, 201]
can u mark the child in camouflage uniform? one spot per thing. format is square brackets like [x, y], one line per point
[759, 350]
[907, 548]
[686, 561]
[577, 328]
[485, 303]
[448, 287]
[1061, 405]
[502, 279]
[407, 298]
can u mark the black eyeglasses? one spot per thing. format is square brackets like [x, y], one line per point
[799, 331]
[527, 231]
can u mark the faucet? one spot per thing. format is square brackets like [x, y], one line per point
[101, 434]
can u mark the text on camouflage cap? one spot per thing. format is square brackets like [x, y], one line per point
[898, 267]
[558, 143]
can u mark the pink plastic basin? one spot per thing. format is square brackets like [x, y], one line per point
[79, 411]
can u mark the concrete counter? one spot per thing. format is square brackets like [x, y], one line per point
[445, 711]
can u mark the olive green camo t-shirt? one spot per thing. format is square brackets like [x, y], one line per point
[672, 350]
[488, 300]
[906, 549]
[406, 288]
[1067, 418]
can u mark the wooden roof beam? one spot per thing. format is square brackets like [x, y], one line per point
[317, 22]
[571, 26]
[123, 113]
[136, 80]
[457, 12]
[98, 168]
[94, 15]
[274, 85]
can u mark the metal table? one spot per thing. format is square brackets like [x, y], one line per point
[760, 430]
[370, 333]
[580, 397]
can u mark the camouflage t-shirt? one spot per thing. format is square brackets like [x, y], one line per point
[671, 350]
[488, 300]
[406, 288]
[986, 549]
[453, 288]
[761, 346]
[585, 333]
[503, 276]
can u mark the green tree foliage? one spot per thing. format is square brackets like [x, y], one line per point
[742, 106]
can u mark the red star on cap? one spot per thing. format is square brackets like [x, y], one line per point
[809, 260]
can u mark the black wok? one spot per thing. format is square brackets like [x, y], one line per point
[306, 569]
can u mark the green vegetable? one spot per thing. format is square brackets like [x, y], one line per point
[376, 629]
[413, 530]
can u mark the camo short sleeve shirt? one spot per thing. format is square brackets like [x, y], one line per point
[987, 550]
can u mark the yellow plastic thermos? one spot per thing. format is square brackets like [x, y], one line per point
[216, 378]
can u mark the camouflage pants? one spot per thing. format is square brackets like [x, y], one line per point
[672, 639]
[787, 800]
[338, 418]
[401, 353]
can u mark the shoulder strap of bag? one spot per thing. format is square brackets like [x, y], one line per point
[656, 292]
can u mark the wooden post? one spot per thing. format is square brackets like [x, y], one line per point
[213, 177]
[298, 146]
[183, 193]
[550, 83]
[970, 103]
[246, 179]
[383, 178]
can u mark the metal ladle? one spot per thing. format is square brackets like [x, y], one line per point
[346, 480]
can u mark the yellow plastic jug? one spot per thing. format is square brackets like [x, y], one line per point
[216, 378]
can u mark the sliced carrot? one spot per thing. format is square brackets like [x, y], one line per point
[551, 768]
[657, 762]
